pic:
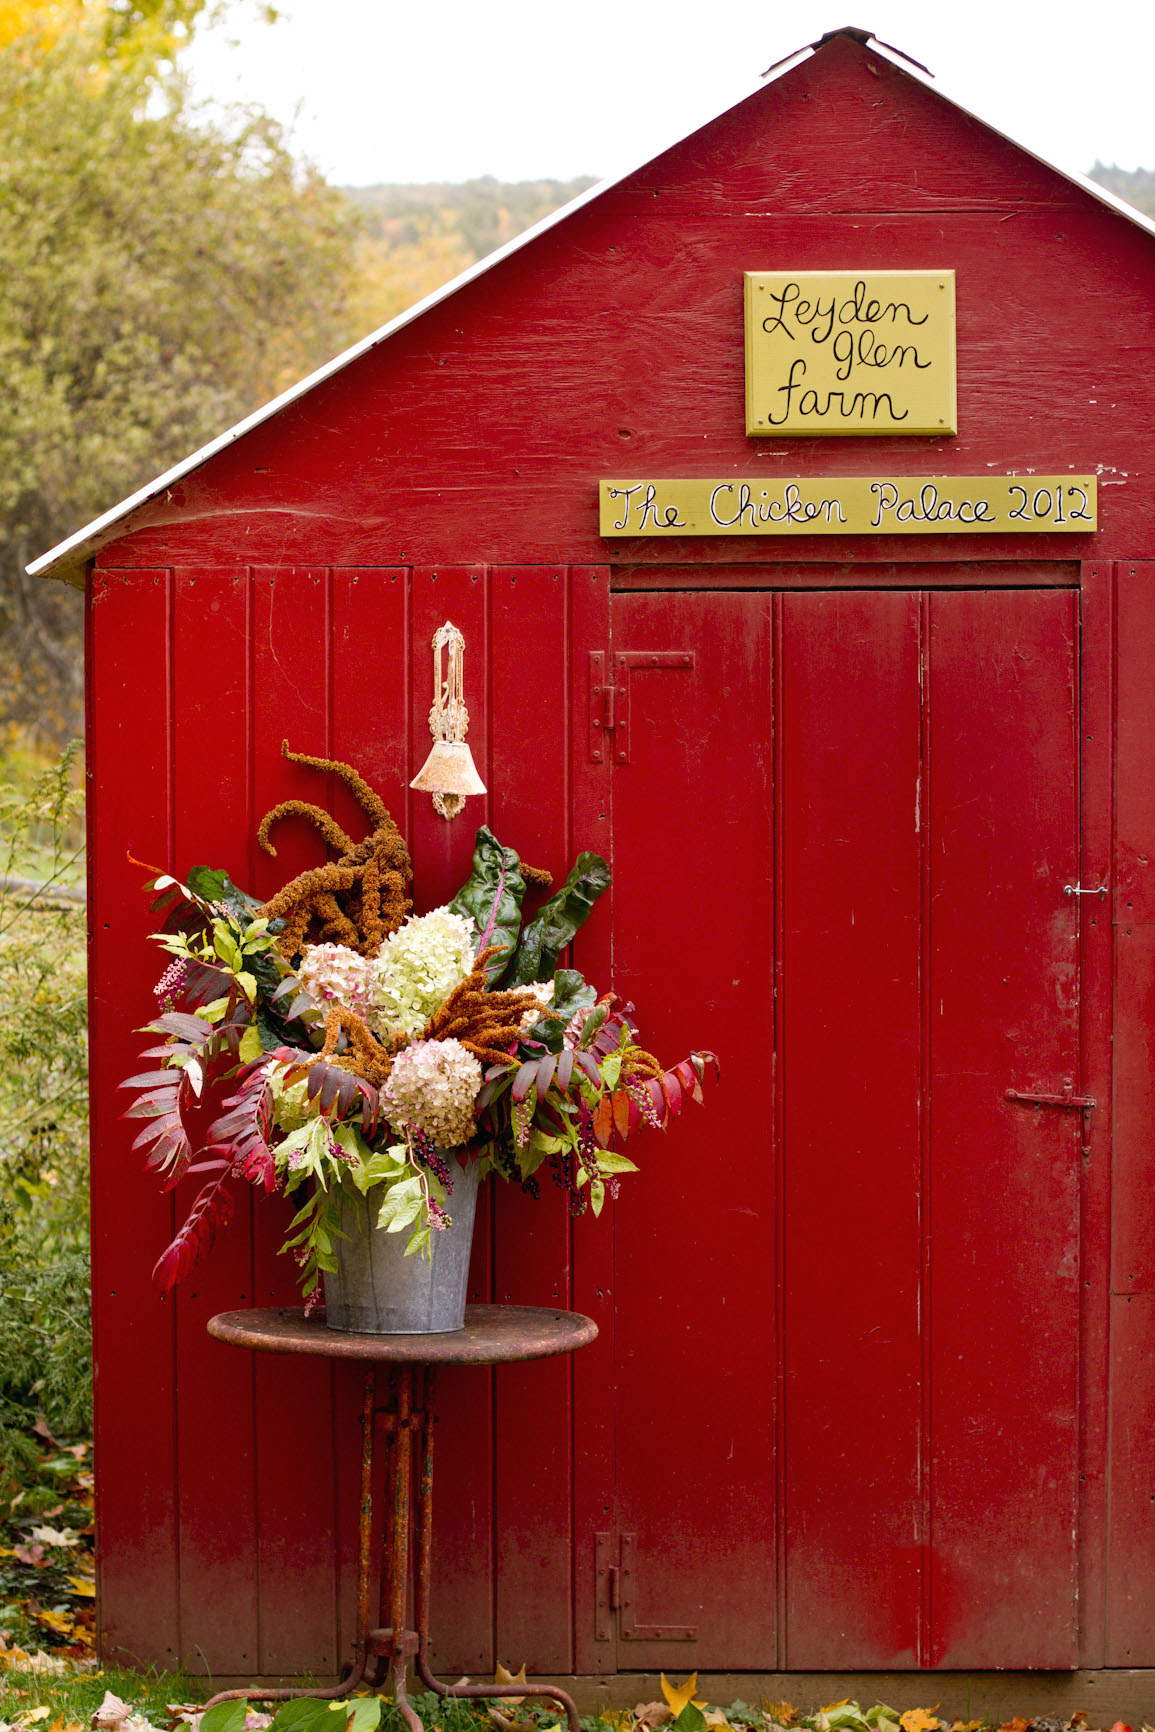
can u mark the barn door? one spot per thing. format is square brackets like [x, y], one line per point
[846, 1295]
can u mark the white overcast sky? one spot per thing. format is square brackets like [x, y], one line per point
[417, 90]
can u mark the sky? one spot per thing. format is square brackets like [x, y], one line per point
[427, 90]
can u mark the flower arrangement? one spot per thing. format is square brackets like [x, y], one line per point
[335, 1041]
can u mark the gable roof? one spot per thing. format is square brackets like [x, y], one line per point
[67, 560]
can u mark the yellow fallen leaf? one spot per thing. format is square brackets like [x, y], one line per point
[677, 1695]
[61, 1622]
[32, 1714]
[783, 1712]
[919, 1720]
[83, 1586]
[502, 1676]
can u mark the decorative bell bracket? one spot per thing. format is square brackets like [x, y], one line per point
[448, 773]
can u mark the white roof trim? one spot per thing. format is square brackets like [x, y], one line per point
[76, 547]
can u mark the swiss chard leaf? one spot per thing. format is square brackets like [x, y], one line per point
[492, 898]
[556, 921]
[571, 993]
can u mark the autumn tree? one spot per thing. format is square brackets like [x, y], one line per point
[163, 277]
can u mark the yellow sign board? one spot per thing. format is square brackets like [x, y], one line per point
[860, 505]
[850, 352]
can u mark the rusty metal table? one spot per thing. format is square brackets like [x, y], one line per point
[493, 1335]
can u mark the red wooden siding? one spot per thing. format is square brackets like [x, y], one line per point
[926, 1343]
[242, 1475]
[613, 343]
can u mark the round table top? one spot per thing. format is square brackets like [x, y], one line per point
[493, 1334]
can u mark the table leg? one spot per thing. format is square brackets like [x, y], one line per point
[424, 1578]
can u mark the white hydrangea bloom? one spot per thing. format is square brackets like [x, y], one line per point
[334, 974]
[433, 1085]
[417, 968]
[543, 991]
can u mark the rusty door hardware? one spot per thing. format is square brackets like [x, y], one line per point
[1068, 1098]
[609, 697]
[617, 1597]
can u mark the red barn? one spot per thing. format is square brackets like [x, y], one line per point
[874, 1387]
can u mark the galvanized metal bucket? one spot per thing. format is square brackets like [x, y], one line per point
[378, 1290]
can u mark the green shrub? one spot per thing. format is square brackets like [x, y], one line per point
[45, 1353]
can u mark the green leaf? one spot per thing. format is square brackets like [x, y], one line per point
[691, 1719]
[492, 898]
[420, 1243]
[226, 1716]
[571, 993]
[611, 1162]
[214, 885]
[366, 1713]
[303, 1714]
[555, 923]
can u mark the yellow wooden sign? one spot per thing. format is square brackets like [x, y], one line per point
[861, 505]
[850, 352]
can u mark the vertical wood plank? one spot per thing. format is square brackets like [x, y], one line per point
[1133, 1259]
[463, 1548]
[530, 717]
[1005, 1177]
[129, 725]
[370, 714]
[1097, 711]
[296, 1482]
[217, 1499]
[1132, 1469]
[848, 807]
[693, 949]
[593, 1286]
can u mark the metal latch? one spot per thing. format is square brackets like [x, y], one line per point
[609, 695]
[1068, 1098]
[617, 1593]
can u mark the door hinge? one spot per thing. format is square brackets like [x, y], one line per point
[1068, 1098]
[617, 1597]
[609, 695]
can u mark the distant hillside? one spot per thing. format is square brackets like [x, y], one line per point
[1137, 186]
[484, 213]
[414, 238]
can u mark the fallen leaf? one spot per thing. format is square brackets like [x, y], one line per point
[920, 1720]
[716, 1717]
[86, 1588]
[784, 1713]
[1018, 1724]
[41, 1430]
[79, 1450]
[830, 1706]
[30, 1715]
[679, 1695]
[62, 1622]
[30, 1555]
[1120, 1726]
[651, 1714]
[111, 1713]
[56, 1536]
[502, 1676]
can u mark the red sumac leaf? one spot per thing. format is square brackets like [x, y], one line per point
[621, 1102]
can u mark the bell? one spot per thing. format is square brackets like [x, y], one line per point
[449, 769]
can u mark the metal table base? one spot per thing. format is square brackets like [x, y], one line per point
[493, 1334]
